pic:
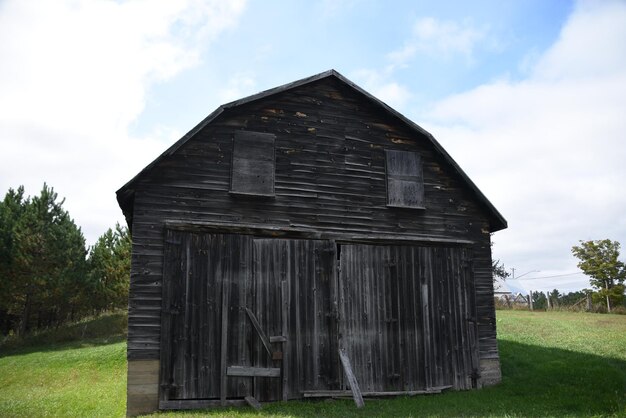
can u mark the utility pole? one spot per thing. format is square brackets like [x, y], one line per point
[608, 303]
[513, 271]
[530, 300]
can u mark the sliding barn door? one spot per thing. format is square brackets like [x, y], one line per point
[407, 319]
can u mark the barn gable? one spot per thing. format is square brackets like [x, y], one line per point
[322, 215]
[125, 195]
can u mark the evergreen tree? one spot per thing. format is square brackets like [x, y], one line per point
[45, 259]
[109, 269]
[539, 300]
[11, 210]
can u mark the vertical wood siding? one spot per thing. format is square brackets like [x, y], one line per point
[408, 316]
[404, 314]
[307, 267]
[202, 270]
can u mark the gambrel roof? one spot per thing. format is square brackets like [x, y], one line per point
[125, 195]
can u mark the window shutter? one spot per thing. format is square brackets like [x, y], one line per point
[405, 181]
[252, 169]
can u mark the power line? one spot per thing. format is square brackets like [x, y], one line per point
[561, 275]
[550, 277]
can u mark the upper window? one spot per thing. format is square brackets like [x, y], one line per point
[252, 169]
[405, 181]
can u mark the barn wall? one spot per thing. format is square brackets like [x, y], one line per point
[330, 178]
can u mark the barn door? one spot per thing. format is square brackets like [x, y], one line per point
[295, 292]
[204, 328]
[221, 292]
[407, 319]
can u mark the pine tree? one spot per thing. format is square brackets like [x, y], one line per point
[109, 268]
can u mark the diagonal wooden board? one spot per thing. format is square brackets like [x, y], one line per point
[262, 336]
[354, 385]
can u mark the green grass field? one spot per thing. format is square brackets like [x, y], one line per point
[553, 364]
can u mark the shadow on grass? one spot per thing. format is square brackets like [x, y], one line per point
[105, 329]
[537, 382]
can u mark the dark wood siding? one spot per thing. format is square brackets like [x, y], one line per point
[408, 317]
[210, 281]
[307, 270]
[205, 273]
[404, 314]
[330, 179]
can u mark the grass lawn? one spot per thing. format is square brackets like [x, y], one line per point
[553, 364]
[79, 372]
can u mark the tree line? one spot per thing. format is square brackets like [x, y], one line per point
[47, 274]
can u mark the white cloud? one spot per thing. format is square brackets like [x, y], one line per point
[549, 150]
[380, 83]
[434, 37]
[440, 37]
[590, 46]
[75, 75]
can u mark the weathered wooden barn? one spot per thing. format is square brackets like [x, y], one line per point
[296, 223]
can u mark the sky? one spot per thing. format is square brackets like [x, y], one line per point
[528, 97]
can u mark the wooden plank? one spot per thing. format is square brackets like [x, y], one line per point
[199, 403]
[257, 327]
[224, 342]
[354, 385]
[237, 255]
[267, 262]
[171, 254]
[348, 393]
[253, 371]
[284, 304]
[253, 402]
[278, 339]
[298, 230]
